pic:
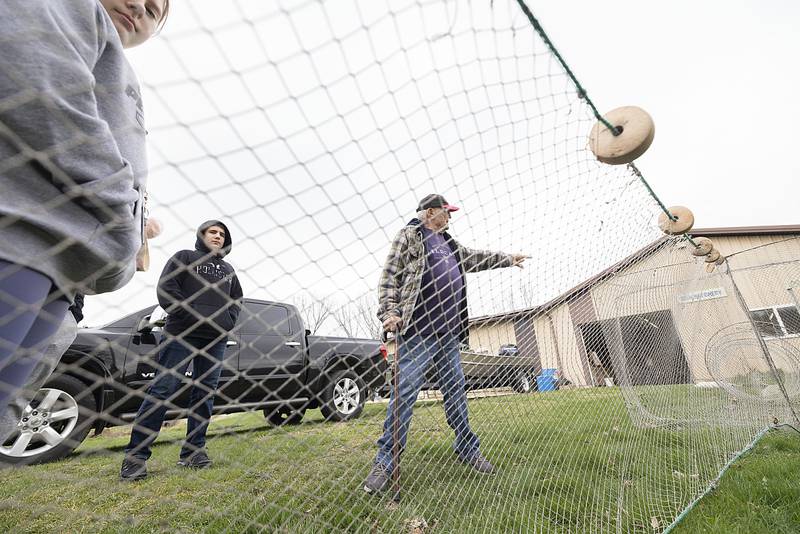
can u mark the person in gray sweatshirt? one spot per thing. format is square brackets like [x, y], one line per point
[72, 164]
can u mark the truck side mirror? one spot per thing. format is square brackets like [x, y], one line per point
[158, 318]
[308, 332]
[144, 325]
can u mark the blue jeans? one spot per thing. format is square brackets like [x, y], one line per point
[415, 356]
[173, 359]
[29, 316]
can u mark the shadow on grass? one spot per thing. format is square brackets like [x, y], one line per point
[115, 439]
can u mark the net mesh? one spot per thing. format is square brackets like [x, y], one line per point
[609, 381]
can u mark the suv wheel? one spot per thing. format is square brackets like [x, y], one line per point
[522, 382]
[344, 397]
[52, 425]
[284, 415]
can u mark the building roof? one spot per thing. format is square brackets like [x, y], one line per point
[784, 229]
[653, 247]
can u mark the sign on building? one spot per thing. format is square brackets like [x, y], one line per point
[706, 294]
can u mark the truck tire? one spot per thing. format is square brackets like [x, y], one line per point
[344, 396]
[284, 415]
[53, 424]
[522, 382]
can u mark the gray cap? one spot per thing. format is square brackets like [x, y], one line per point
[435, 201]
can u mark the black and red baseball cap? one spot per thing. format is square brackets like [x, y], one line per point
[435, 201]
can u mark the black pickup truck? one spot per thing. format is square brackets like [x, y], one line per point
[271, 363]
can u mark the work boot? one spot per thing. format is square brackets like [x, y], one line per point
[479, 463]
[133, 469]
[377, 480]
[197, 460]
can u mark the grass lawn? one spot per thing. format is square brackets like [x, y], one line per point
[568, 461]
[759, 493]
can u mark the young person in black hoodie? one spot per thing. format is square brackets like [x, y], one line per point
[202, 297]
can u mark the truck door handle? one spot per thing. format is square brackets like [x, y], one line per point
[231, 344]
[292, 343]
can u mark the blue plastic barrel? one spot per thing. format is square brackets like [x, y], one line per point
[546, 381]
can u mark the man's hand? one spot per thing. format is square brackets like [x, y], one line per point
[392, 323]
[518, 259]
[152, 228]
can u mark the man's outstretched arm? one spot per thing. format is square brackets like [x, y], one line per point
[474, 260]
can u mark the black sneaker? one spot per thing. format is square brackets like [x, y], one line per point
[196, 460]
[377, 480]
[133, 469]
[478, 463]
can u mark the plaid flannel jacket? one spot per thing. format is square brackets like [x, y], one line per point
[401, 278]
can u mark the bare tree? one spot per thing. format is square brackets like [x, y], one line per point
[365, 308]
[345, 318]
[357, 318]
[314, 311]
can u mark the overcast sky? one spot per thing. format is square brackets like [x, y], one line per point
[720, 80]
[313, 129]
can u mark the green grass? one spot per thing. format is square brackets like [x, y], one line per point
[759, 493]
[569, 461]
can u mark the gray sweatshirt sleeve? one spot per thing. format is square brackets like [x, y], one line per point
[48, 109]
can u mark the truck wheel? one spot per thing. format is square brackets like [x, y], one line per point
[522, 382]
[284, 415]
[344, 397]
[52, 425]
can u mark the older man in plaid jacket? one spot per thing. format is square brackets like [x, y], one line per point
[422, 297]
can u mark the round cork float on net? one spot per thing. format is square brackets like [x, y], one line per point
[683, 223]
[636, 132]
[704, 246]
[713, 256]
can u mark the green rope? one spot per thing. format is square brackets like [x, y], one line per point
[636, 171]
[715, 482]
[616, 130]
[787, 425]
[585, 96]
